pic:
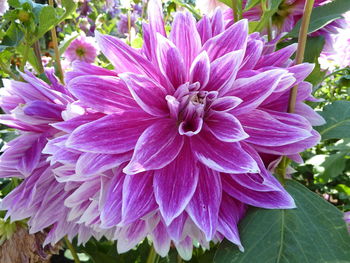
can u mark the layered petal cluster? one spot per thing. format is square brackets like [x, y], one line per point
[173, 143]
[82, 48]
[288, 14]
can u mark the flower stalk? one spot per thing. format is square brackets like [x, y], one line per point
[301, 49]
[282, 167]
[72, 250]
[55, 46]
[235, 8]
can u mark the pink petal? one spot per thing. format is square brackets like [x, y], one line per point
[225, 127]
[138, 197]
[111, 208]
[200, 69]
[170, 61]
[264, 129]
[205, 203]
[254, 90]
[223, 71]
[278, 58]
[175, 184]
[102, 93]
[163, 143]
[234, 38]
[231, 211]
[204, 29]
[185, 36]
[131, 235]
[227, 157]
[150, 96]
[161, 240]
[112, 134]
[96, 163]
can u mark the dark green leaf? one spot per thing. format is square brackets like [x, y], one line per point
[314, 232]
[337, 116]
[323, 15]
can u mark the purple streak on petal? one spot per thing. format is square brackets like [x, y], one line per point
[225, 103]
[205, 203]
[176, 228]
[231, 211]
[149, 95]
[171, 62]
[258, 123]
[234, 38]
[254, 90]
[278, 58]
[225, 127]
[200, 69]
[223, 71]
[270, 200]
[125, 58]
[309, 113]
[161, 239]
[96, 163]
[171, 191]
[131, 235]
[69, 126]
[218, 155]
[252, 54]
[163, 145]
[301, 71]
[103, 93]
[217, 21]
[204, 29]
[186, 38]
[81, 68]
[138, 197]
[111, 206]
[111, 134]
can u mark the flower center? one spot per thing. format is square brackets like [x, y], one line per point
[80, 51]
[188, 106]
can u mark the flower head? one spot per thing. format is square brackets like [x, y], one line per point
[82, 48]
[174, 142]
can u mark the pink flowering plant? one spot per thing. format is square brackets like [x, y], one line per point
[152, 132]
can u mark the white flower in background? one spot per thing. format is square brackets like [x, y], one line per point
[3, 7]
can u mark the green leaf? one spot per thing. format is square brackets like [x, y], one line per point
[314, 232]
[329, 166]
[337, 116]
[12, 38]
[267, 14]
[48, 18]
[322, 16]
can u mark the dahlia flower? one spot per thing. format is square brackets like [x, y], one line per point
[123, 23]
[172, 144]
[82, 48]
[288, 14]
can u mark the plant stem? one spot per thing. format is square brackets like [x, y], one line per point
[72, 250]
[301, 49]
[37, 53]
[57, 52]
[235, 10]
[282, 166]
[129, 27]
[152, 256]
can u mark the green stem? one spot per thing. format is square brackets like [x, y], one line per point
[301, 49]
[152, 256]
[72, 250]
[336, 72]
[235, 10]
[37, 53]
[282, 166]
[129, 27]
[57, 52]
